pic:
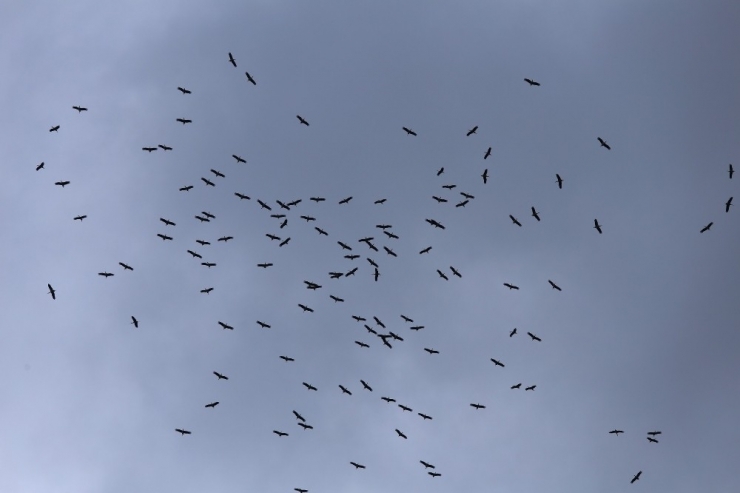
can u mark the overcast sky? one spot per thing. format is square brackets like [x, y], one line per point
[643, 335]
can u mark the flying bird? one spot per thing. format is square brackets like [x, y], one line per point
[654, 433]
[218, 173]
[534, 337]
[105, 274]
[267, 326]
[637, 476]
[357, 466]
[652, 440]
[212, 404]
[298, 416]
[728, 204]
[194, 254]
[560, 181]
[531, 82]
[442, 275]
[220, 376]
[231, 59]
[510, 286]
[225, 326]
[239, 159]
[149, 149]
[305, 308]
[182, 432]
[164, 237]
[706, 228]
[409, 131]
[309, 386]
[208, 264]
[497, 362]
[434, 474]
[208, 182]
[532, 387]
[513, 219]
[62, 183]
[345, 201]
[616, 432]
[485, 176]
[431, 351]
[516, 386]
[167, 222]
[597, 226]
[202, 242]
[79, 109]
[424, 416]
[250, 78]
[440, 170]
[731, 171]
[388, 399]
[344, 390]
[286, 358]
[488, 153]
[80, 218]
[183, 90]
[280, 433]
[511, 334]
[242, 196]
[427, 465]
[554, 286]
[134, 322]
[54, 129]
[405, 408]
[186, 189]
[534, 214]
[40, 166]
[302, 120]
[184, 120]
[472, 131]
[455, 272]
[400, 434]
[478, 406]
[164, 147]
[603, 143]
[52, 292]
[380, 201]
[366, 386]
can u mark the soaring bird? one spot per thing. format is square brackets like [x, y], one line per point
[203, 242]
[442, 275]
[424, 416]
[167, 222]
[388, 399]
[239, 159]
[62, 183]
[380, 201]
[405, 408]
[149, 149]
[426, 250]
[336, 299]
[535, 214]
[305, 426]
[637, 476]
[302, 120]
[554, 286]
[434, 474]
[208, 182]
[654, 433]
[54, 129]
[516, 386]
[231, 59]
[440, 170]
[182, 432]
[105, 274]
[183, 90]
[485, 176]
[728, 204]
[531, 82]
[134, 322]
[184, 120]
[345, 201]
[427, 465]
[534, 337]
[603, 143]
[52, 292]
[250, 78]
[472, 131]
[40, 166]
[400, 434]
[287, 359]
[478, 406]
[431, 351]
[344, 390]
[652, 440]
[512, 333]
[225, 238]
[225, 326]
[497, 362]
[357, 466]
[309, 386]
[560, 181]
[597, 226]
[305, 308]
[207, 264]
[280, 433]
[731, 171]
[409, 131]
[366, 386]
[531, 387]
[218, 173]
[513, 219]
[186, 189]
[488, 153]
[220, 376]
[194, 254]
[212, 404]
[298, 416]
[616, 432]
[164, 147]
[300, 490]
[510, 286]
[706, 228]
[80, 218]
[79, 109]
[362, 344]
[164, 237]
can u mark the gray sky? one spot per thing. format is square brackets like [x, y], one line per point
[642, 337]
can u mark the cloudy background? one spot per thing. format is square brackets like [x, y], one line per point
[643, 336]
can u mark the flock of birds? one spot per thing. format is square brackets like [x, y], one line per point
[378, 328]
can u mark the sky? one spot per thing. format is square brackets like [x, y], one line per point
[642, 335]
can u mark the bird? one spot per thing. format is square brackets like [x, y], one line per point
[105, 274]
[231, 59]
[728, 204]
[183, 90]
[184, 120]
[534, 337]
[208, 215]
[380, 201]
[513, 219]
[285, 242]
[616, 432]
[54, 129]
[442, 275]
[516, 386]
[242, 196]
[512, 333]
[424, 416]
[300, 490]
[298, 416]
[336, 299]
[440, 170]
[186, 189]
[731, 171]
[559, 180]
[400, 434]
[225, 326]
[449, 187]
[62, 183]
[79, 109]
[478, 406]
[435, 223]
[134, 322]
[531, 82]
[287, 359]
[409, 131]
[554, 286]
[302, 120]
[377, 321]
[218, 173]
[510, 286]
[212, 404]
[164, 237]
[497, 362]
[434, 474]
[344, 390]
[597, 226]
[149, 149]
[427, 465]
[652, 440]
[366, 386]
[266, 326]
[239, 159]
[531, 387]
[485, 176]
[208, 264]
[167, 222]
[52, 292]
[318, 199]
[388, 399]
[250, 78]
[637, 476]
[706, 228]
[535, 214]
[309, 386]
[488, 153]
[208, 182]
[305, 308]
[431, 351]
[225, 238]
[603, 143]
[345, 201]
[202, 242]
[202, 219]
[40, 166]
[80, 218]
[220, 376]
[462, 204]
[305, 426]
[357, 466]
[405, 408]
[472, 131]
[194, 254]
[455, 272]
[280, 433]
[182, 432]
[654, 433]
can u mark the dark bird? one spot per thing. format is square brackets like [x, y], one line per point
[560, 181]
[212, 404]
[531, 82]
[455, 272]
[405, 408]
[54, 129]
[488, 153]
[311, 285]
[440, 170]
[431, 351]
[513, 219]
[654, 433]
[472, 131]
[336, 299]
[105, 274]
[239, 159]
[62, 183]
[309, 219]
[167, 222]
[359, 319]
[164, 237]
[409, 131]
[532, 387]
[427, 465]
[284, 242]
[309, 386]
[305, 308]
[731, 171]
[554, 286]
[52, 292]
[377, 321]
[616, 432]
[242, 196]
[202, 219]
[406, 319]
[218, 173]
[280, 433]
[303, 121]
[134, 322]
[449, 187]
[462, 204]
[272, 237]
[478, 406]
[184, 120]
[203, 242]
[516, 386]
[603, 143]
[266, 326]
[467, 195]
[80, 218]
[220, 376]
[208, 215]
[400, 434]
[226, 326]
[424, 416]
[344, 246]
[208, 182]
[435, 223]
[149, 149]
[511, 334]
[318, 199]
[305, 426]
[40, 166]
[164, 147]
[300, 490]
[208, 264]
[510, 286]
[194, 254]
[250, 78]
[389, 251]
[597, 226]
[298, 416]
[231, 59]
[183, 90]
[728, 204]
[182, 432]
[263, 205]
[416, 327]
[434, 474]
[295, 202]
[226, 238]
[706, 228]
[380, 201]
[344, 390]
[497, 362]
[357, 466]
[637, 476]
[321, 231]
[534, 214]
[286, 358]
[439, 199]
[79, 109]
[485, 176]
[390, 235]
[652, 440]
[345, 201]
[186, 189]
[534, 337]
[282, 205]
[366, 386]
[388, 399]
[442, 275]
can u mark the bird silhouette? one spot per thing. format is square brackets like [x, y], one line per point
[497, 362]
[531, 82]
[534, 337]
[80, 218]
[79, 109]
[220, 376]
[706, 228]
[728, 204]
[183, 90]
[409, 131]
[534, 214]
[637, 476]
[400, 434]
[559, 180]
[357, 466]
[597, 226]
[603, 143]
[212, 404]
[250, 78]
[302, 120]
[182, 431]
[52, 292]
[231, 59]
[472, 131]
[616, 432]
[134, 322]
[514, 220]
[554, 286]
